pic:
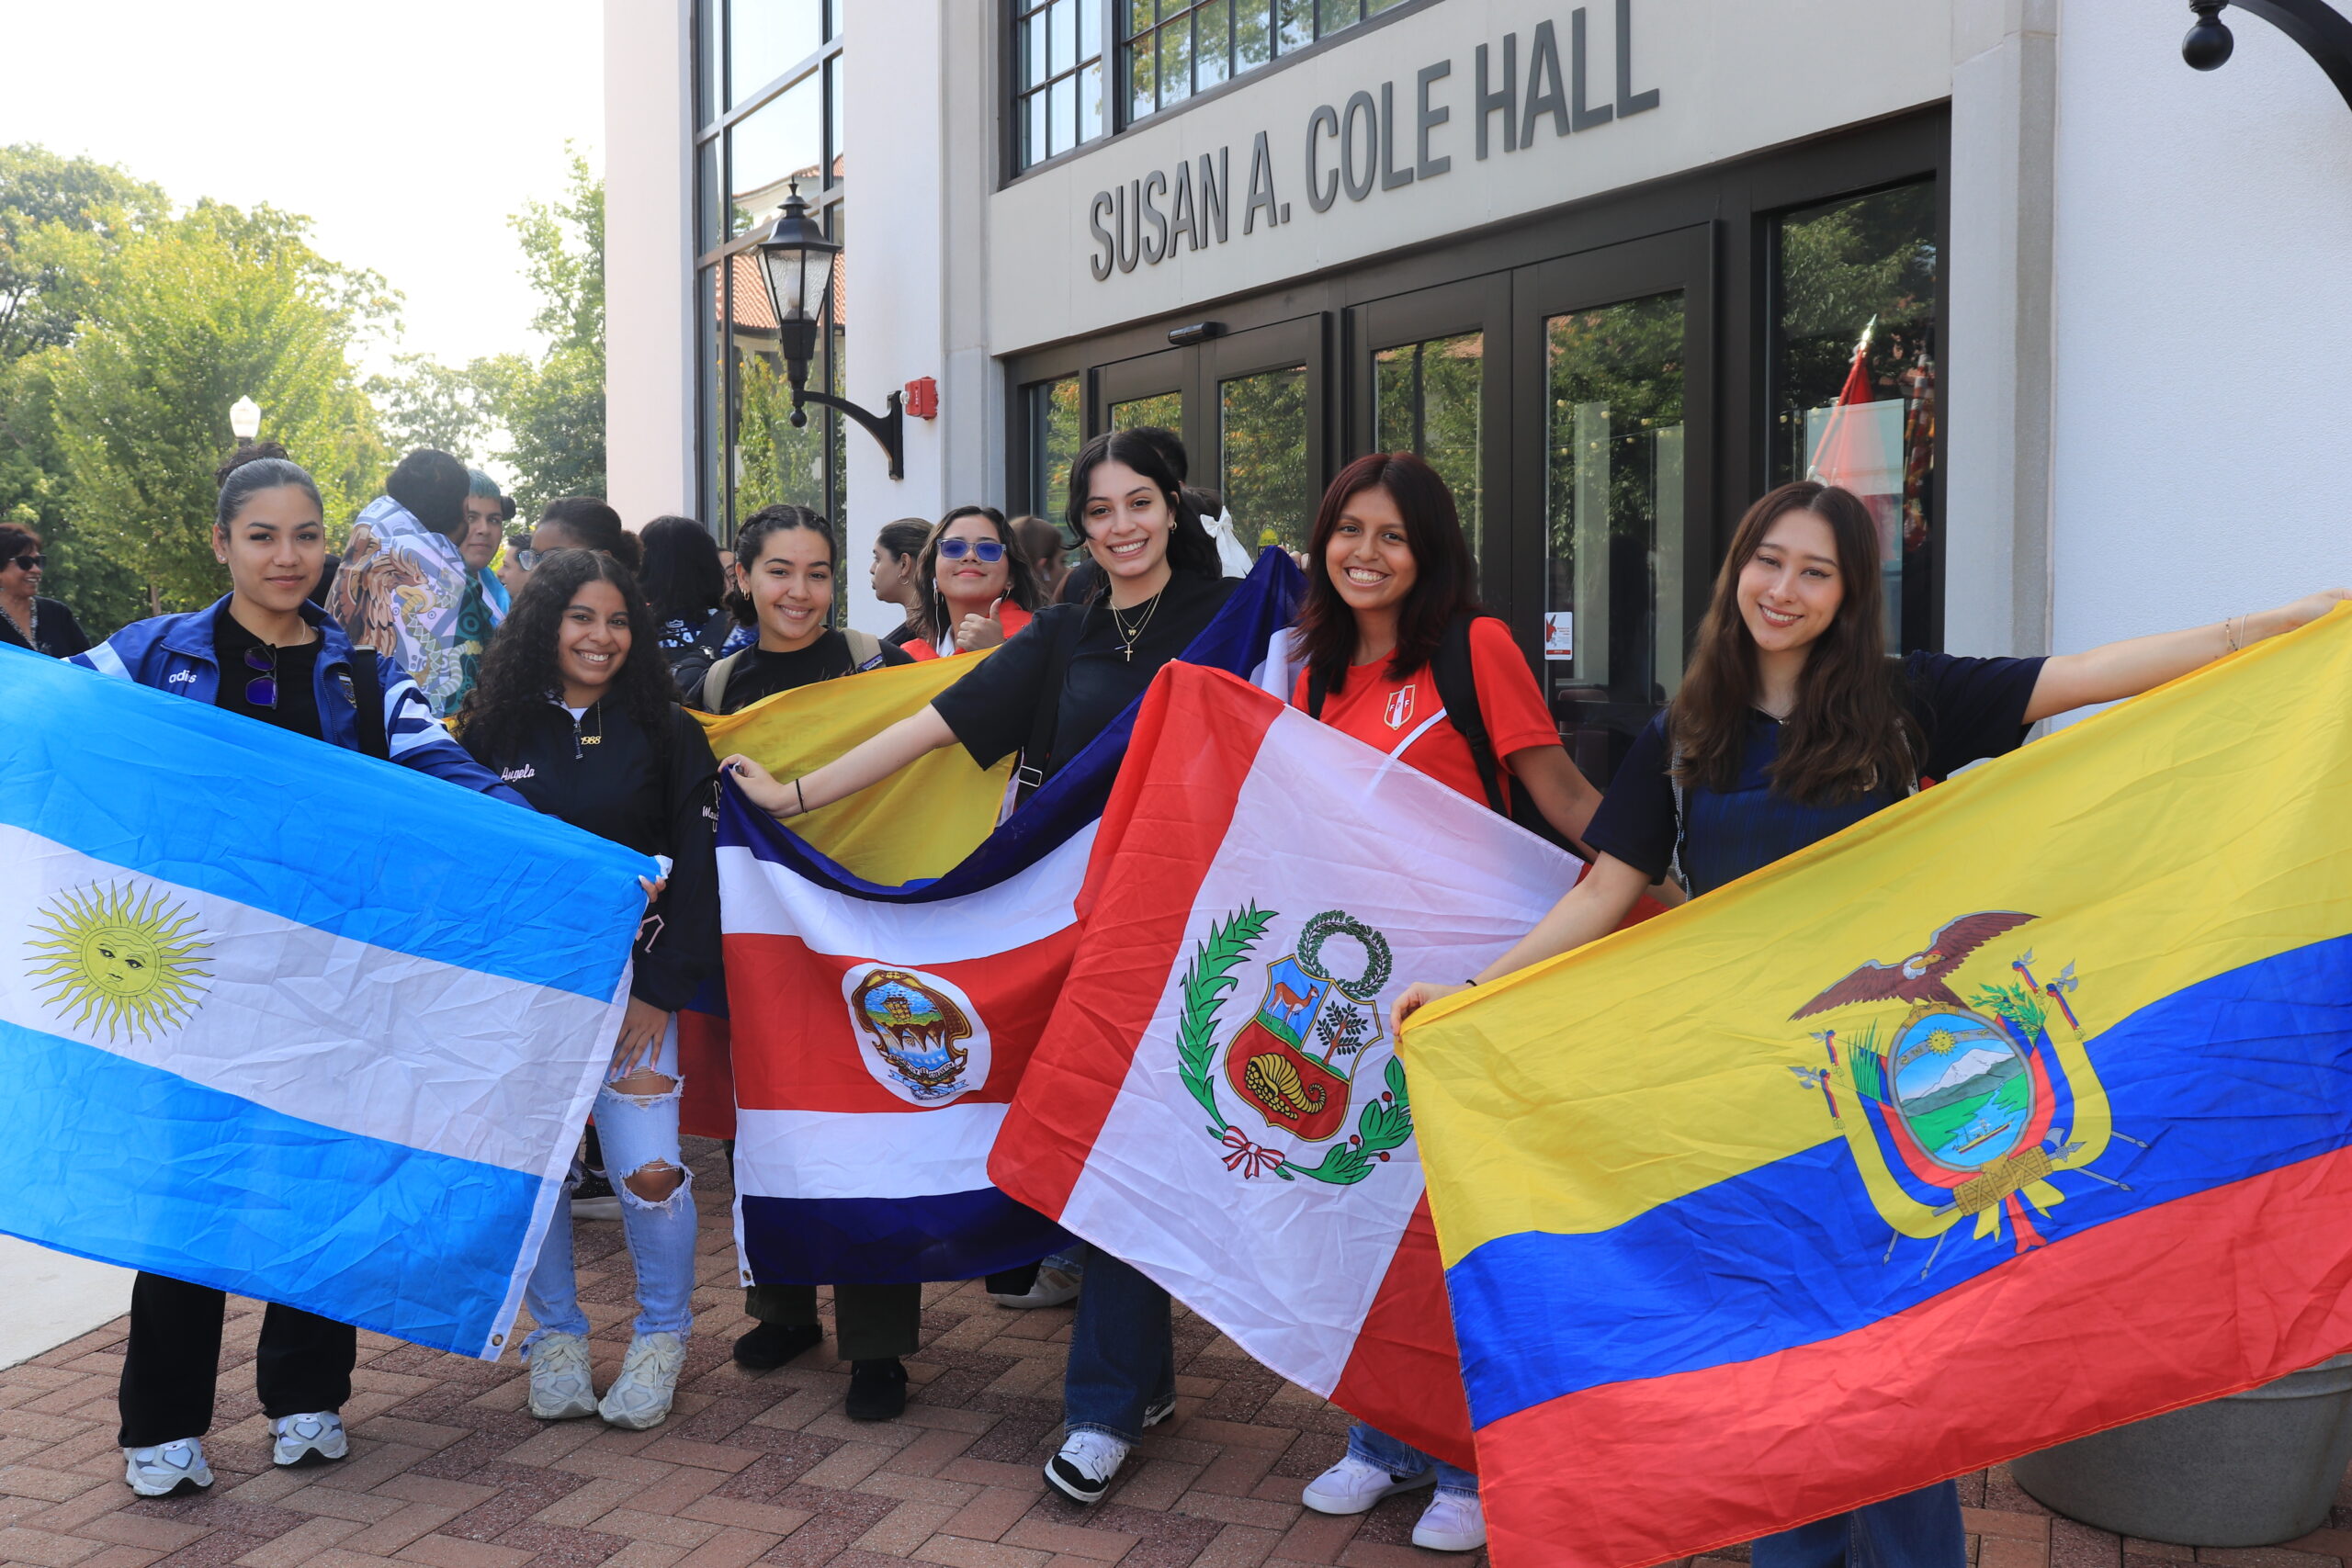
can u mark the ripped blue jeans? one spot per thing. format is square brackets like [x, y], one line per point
[636, 1130]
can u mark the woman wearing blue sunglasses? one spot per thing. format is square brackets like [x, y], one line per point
[978, 587]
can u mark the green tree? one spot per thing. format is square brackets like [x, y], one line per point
[183, 319]
[553, 411]
[427, 403]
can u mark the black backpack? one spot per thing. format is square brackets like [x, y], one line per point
[1457, 688]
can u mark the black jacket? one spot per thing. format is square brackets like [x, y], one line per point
[601, 775]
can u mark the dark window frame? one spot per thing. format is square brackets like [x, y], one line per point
[1418, 292]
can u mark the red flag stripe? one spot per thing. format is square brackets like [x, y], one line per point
[1403, 1361]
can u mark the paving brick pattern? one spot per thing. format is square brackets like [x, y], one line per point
[447, 1469]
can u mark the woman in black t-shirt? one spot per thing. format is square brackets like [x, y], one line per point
[786, 565]
[1791, 725]
[27, 620]
[1046, 694]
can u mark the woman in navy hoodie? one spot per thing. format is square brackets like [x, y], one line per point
[268, 653]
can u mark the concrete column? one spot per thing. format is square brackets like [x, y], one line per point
[1997, 355]
[648, 263]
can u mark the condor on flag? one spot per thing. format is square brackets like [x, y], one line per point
[2014, 1113]
[1215, 1100]
[880, 1031]
[286, 1021]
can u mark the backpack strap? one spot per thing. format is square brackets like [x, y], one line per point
[1317, 689]
[865, 650]
[1457, 688]
[1038, 754]
[715, 679]
[367, 701]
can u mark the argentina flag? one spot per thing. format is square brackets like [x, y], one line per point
[289, 1021]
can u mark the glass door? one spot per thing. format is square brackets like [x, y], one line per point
[1616, 413]
[1432, 377]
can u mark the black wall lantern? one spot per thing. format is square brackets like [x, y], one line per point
[2323, 32]
[797, 261]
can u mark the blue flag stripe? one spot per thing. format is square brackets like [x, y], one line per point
[889, 1241]
[291, 1211]
[2247, 1072]
[183, 791]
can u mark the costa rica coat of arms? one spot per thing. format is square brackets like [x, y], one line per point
[1960, 1108]
[1292, 1064]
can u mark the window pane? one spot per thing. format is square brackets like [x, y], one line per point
[710, 390]
[1297, 28]
[768, 38]
[1055, 436]
[1373, 7]
[1035, 66]
[1089, 102]
[1261, 452]
[1429, 398]
[1253, 34]
[1612, 623]
[1090, 30]
[708, 62]
[834, 165]
[777, 142]
[1176, 61]
[710, 198]
[1035, 145]
[1855, 375]
[781, 141]
[1138, 18]
[1064, 28]
[1165, 410]
[1338, 14]
[1212, 43]
[1065, 114]
[1143, 77]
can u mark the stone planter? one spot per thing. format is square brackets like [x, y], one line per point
[2253, 1469]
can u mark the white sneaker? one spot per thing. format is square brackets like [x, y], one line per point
[303, 1440]
[167, 1468]
[1052, 1288]
[1453, 1522]
[640, 1396]
[560, 1388]
[1353, 1486]
[1083, 1470]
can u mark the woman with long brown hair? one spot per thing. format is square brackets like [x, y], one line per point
[1791, 724]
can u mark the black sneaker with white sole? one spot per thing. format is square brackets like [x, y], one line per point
[1083, 1470]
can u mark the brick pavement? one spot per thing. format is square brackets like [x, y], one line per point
[446, 1471]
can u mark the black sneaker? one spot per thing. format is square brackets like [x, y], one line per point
[771, 1345]
[594, 1199]
[877, 1390]
[1160, 1409]
[1083, 1468]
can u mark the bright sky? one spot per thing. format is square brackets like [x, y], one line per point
[408, 131]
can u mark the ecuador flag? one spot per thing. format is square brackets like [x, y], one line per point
[2012, 1113]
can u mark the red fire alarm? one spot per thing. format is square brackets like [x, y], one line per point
[922, 398]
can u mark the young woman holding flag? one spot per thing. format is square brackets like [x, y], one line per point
[1791, 724]
[267, 652]
[977, 586]
[1390, 595]
[577, 709]
[1045, 693]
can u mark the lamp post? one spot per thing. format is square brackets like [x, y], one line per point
[2322, 31]
[244, 419]
[798, 261]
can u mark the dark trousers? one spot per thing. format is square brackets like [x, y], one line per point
[871, 1323]
[174, 1361]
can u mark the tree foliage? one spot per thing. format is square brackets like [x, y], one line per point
[186, 317]
[427, 403]
[553, 411]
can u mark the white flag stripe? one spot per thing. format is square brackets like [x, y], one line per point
[832, 1154]
[377, 1044]
[760, 898]
[1289, 1268]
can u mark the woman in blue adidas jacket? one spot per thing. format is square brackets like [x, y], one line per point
[267, 652]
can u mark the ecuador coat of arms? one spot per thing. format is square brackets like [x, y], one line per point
[1960, 1108]
[1293, 1064]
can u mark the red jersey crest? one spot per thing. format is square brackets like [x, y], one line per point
[1399, 712]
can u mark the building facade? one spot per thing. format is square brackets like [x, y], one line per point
[2007, 267]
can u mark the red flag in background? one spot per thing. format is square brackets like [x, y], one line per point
[1852, 453]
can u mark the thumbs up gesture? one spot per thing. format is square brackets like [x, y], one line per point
[977, 632]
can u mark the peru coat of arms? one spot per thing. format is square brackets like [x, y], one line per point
[1960, 1108]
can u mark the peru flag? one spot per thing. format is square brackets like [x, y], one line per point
[1217, 1098]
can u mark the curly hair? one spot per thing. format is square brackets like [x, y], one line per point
[519, 675]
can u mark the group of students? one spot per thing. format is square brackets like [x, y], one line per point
[1791, 723]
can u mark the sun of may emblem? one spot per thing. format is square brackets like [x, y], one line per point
[125, 959]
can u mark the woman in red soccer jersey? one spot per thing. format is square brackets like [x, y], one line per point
[1389, 595]
[1793, 723]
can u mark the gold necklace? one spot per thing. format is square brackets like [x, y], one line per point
[1128, 640]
